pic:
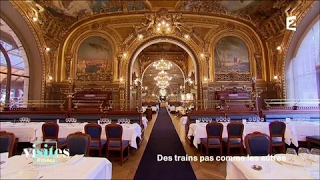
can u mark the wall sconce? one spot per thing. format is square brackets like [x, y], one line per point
[121, 80]
[140, 36]
[124, 55]
[137, 81]
[275, 77]
[279, 48]
[202, 55]
[186, 36]
[70, 79]
[254, 79]
[35, 19]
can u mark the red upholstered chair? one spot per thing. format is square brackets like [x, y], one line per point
[277, 130]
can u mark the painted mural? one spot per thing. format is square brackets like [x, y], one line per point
[74, 8]
[94, 56]
[231, 54]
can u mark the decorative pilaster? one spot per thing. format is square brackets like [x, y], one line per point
[68, 65]
[258, 59]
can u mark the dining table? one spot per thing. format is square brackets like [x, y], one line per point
[279, 166]
[26, 132]
[32, 131]
[295, 131]
[21, 167]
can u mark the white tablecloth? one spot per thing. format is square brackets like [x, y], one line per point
[154, 108]
[29, 132]
[237, 169]
[295, 131]
[130, 132]
[144, 122]
[184, 120]
[86, 168]
[26, 132]
[303, 129]
[172, 109]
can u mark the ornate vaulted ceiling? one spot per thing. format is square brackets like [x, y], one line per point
[62, 21]
[165, 51]
[255, 11]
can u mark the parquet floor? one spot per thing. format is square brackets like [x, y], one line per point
[203, 170]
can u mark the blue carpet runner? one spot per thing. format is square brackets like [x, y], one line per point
[164, 141]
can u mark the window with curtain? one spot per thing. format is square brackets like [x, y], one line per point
[14, 71]
[301, 75]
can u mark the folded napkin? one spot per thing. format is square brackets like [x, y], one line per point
[75, 159]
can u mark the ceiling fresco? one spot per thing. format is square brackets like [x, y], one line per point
[76, 8]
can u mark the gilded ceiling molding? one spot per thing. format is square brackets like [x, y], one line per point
[27, 13]
[255, 56]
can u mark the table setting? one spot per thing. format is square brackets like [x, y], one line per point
[292, 165]
[75, 167]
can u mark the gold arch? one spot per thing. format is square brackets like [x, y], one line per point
[128, 63]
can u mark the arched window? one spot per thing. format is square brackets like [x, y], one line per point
[14, 71]
[301, 75]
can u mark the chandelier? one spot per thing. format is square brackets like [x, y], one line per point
[162, 84]
[163, 92]
[162, 76]
[162, 65]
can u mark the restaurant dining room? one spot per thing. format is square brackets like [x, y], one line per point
[148, 89]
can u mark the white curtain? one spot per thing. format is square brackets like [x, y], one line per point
[301, 74]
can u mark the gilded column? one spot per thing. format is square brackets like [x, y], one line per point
[68, 66]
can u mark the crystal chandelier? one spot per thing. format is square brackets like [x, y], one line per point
[162, 84]
[162, 65]
[162, 76]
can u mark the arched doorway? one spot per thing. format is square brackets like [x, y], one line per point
[139, 62]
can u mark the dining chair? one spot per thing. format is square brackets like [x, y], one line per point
[94, 131]
[115, 143]
[50, 132]
[257, 144]
[234, 139]
[7, 141]
[214, 137]
[277, 130]
[78, 143]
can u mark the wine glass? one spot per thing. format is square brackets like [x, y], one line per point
[315, 154]
[250, 119]
[292, 153]
[254, 119]
[304, 153]
[228, 119]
